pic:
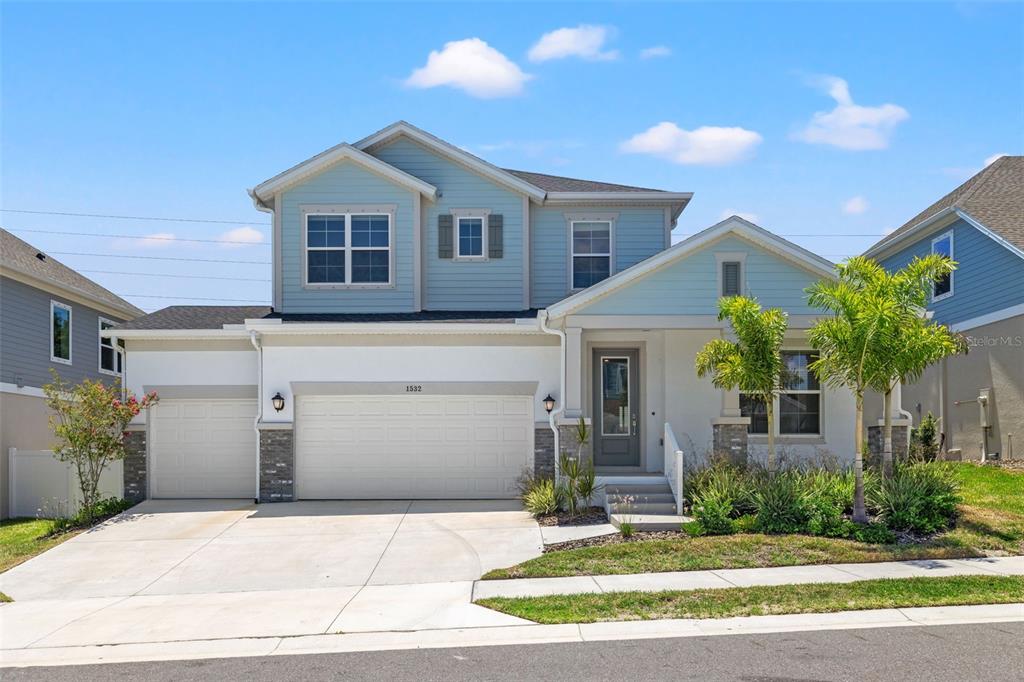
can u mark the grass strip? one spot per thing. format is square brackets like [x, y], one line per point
[22, 539]
[764, 600]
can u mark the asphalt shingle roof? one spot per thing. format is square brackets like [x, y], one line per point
[197, 316]
[21, 256]
[558, 183]
[994, 197]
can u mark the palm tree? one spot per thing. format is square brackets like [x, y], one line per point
[752, 363]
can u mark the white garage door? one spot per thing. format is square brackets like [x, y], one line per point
[203, 448]
[402, 447]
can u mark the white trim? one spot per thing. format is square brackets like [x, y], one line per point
[33, 391]
[968, 218]
[71, 336]
[777, 411]
[424, 388]
[796, 322]
[938, 238]
[723, 257]
[481, 214]
[941, 219]
[113, 346]
[735, 225]
[73, 295]
[347, 210]
[572, 219]
[989, 318]
[660, 197]
[449, 150]
[525, 326]
[324, 160]
[629, 395]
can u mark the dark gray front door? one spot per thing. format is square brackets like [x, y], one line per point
[616, 408]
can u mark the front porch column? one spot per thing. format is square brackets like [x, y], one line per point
[731, 404]
[729, 439]
[573, 372]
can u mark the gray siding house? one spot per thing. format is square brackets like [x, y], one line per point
[50, 318]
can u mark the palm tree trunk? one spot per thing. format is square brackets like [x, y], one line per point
[887, 436]
[771, 435]
[860, 512]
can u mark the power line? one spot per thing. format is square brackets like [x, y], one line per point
[161, 274]
[143, 237]
[194, 298]
[171, 258]
[133, 217]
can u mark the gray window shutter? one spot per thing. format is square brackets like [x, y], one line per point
[445, 243]
[495, 233]
[730, 279]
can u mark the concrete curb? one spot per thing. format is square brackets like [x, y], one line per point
[508, 635]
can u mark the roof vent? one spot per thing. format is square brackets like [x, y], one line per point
[40, 255]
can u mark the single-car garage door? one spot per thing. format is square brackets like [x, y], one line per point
[203, 448]
[411, 447]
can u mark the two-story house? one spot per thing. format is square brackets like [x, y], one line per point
[438, 323]
[978, 397]
[51, 317]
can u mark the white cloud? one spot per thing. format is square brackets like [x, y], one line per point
[240, 236]
[850, 125]
[706, 146]
[473, 66]
[728, 213]
[655, 51]
[156, 240]
[855, 205]
[584, 41]
[995, 157]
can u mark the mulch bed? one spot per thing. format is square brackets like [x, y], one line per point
[593, 516]
[615, 539]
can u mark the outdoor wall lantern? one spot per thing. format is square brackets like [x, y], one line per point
[278, 401]
[549, 403]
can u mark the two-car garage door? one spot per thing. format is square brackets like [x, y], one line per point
[411, 446]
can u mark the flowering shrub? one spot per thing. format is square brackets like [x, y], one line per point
[89, 421]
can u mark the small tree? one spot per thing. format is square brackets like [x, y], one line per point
[89, 421]
[752, 363]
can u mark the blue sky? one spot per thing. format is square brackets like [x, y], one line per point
[824, 120]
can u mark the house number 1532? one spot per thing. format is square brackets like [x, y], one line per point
[414, 389]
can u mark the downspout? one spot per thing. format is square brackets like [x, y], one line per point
[254, 339]
[553, 415]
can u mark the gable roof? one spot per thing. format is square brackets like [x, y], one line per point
[264, 192]
[732, 225]
[559, 183]
[20, 257]
[993, 199]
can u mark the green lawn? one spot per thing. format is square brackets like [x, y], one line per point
[22, 539]
[992, 520]
[758, 601]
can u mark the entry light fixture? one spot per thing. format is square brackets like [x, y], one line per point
[549, 403]
[278, 401]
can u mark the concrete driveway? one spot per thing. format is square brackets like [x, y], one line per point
[208, 569]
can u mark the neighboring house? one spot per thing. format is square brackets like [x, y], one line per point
[980, 225]
[426, 303]
[50, 318]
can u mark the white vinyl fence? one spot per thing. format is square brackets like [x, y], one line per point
[43, 486]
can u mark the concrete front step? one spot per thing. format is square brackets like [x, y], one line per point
[643, 508]
[640, 498]
[653, 488]
[650, 521]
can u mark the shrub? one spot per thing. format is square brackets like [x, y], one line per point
[924, 444]
[920, 497]
[727, 483]
[103, 509]
[713, 512]
[626, 529]
[781, 503]
[543, 498]
[828, 495]
[873, 533]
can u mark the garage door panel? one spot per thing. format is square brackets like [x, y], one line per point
[412, 446]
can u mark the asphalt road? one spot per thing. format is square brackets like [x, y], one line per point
[988, 652]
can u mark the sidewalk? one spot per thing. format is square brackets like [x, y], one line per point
[747, 577]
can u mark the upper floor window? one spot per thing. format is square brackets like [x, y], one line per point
[348, 248]
[798, 407]
[591, 252]
[60, 332]
[731, 278]
[943, 245]
[110, 357]
[471, 237]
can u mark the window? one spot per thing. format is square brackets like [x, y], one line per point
[943, 245]
[348, 248]
[731, 278]
[110, 357]
[798, 410]
[60, 332]
[591, 253]
[471, 238]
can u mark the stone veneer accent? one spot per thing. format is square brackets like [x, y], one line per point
[569, 443]
[543, 452]
[729, 442]
[876, 442]
[277, 465]
[134, 466]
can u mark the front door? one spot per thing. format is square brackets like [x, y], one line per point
[616, 404]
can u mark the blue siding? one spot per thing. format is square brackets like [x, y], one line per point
[639, 234]
[989, 277]
[690, 286]
[464, 285]
[346, 183]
